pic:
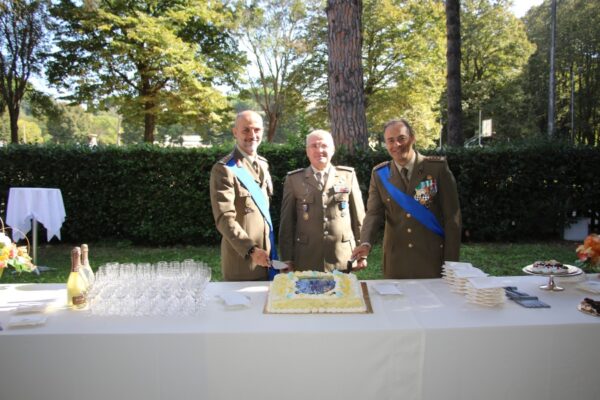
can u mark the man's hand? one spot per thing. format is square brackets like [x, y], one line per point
[260, 257]
[361, 264]
[361, 251]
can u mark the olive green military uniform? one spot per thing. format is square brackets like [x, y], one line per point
[319, 229]
[410, 250]
[238, 219]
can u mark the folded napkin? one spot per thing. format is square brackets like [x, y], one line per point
[386, 289]
[524, 299]
[234, 299]
[25, 321]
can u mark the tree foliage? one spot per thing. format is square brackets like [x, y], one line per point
[495, 50]
[577, 69]
[157, 60]
[277, 35]
[22, 29]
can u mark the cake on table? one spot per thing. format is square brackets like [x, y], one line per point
[549, 267]
[315, 292]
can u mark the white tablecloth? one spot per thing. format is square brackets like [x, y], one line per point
[43, 204]
[427, 344]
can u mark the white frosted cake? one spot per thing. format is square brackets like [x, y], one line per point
[549, 267]
[315, 292]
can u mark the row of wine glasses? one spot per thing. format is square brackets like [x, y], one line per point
[164, 288]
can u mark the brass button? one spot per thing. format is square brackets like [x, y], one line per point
[441, 246]
[408, 215]
[410, 245]
[326, 232]
[388, 199]
[409, 230]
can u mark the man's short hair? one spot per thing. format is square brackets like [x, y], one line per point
[319, 132]
[400, 121]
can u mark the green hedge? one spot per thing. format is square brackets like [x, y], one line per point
[160, 196]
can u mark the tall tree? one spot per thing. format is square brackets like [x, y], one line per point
[577, 51]
[453, 56]
[276, 32]
[495, 51]
[158, 58]
[346, 87]
[22, 29]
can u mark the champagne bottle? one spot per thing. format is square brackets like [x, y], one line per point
[75, 284]
[86, 270]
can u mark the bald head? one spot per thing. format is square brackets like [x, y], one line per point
[248, 131]
[319, 148]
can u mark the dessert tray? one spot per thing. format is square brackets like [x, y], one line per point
[571, 271]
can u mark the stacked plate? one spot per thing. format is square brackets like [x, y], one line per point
[457, 275]
[486, 291]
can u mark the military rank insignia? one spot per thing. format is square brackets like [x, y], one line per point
[425, 191]
[305, 211]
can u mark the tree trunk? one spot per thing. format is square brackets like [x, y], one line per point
[455, 134]
[346, 87]
[13, 113]
[273, 121]
[149, 122]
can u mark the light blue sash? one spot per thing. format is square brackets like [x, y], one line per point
[409, 204]
[261, 202]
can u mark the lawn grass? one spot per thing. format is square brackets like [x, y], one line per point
[498, 259]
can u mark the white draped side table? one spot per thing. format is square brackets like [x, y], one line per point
[26, 206]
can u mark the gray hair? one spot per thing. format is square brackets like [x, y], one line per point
[321, 133]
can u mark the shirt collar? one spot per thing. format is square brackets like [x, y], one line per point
[247, 156]
[410, 165]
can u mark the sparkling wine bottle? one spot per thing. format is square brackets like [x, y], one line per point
[76, 298]
[86, 270]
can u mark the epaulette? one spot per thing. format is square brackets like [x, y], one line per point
[261, 158]
[226, 159]
[435, 158]
[295, 171]
[344, 168]
[381, 165]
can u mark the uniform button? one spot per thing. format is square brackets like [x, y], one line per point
[297, 240]
[441, 246]
[325, 233]
[409, 230]
[408, 215]
[410, 245]
[325, 219]
[388, 199]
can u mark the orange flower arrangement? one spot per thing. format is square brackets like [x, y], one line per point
[588, 253]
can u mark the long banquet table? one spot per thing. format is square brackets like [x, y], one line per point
[429, 343]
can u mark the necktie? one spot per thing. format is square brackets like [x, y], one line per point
[319, 179]
[404, 173]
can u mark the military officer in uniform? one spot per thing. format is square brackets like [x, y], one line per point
[423, 222]
[245, 246]
[321, 211]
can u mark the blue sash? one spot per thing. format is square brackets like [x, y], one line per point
[409, 204]
[261, 202]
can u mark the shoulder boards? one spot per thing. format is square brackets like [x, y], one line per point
[435, 158]
[344, 168]
[226, 159]
[295, 171]
[381, 165]
[262, 158]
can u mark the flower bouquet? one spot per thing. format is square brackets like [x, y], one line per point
[588, 254]
[14, 256]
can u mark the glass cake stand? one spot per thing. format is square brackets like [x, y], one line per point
[551, 285]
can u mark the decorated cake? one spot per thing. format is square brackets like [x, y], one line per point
[590, 306]
[315, 292]
[549, 267]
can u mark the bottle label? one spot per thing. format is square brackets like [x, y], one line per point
[78, 300]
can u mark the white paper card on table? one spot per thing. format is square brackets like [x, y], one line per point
[489, 282]
[457, 265]
[278, 264]
[234, 299]
[469, 273]
[387, 289]
[26, 320]
[31, 308]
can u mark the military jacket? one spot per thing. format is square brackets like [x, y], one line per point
[319, 229]
[238, 219]
[410, 250]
